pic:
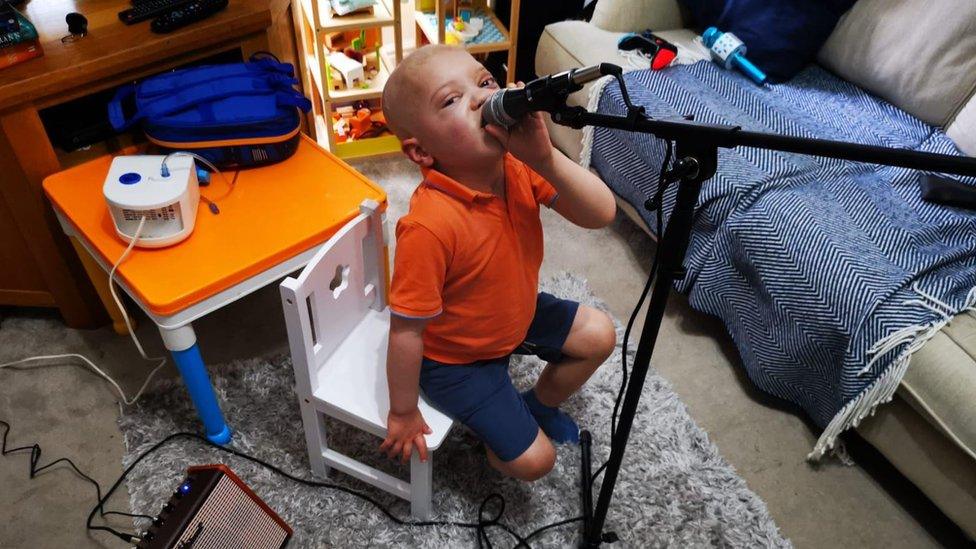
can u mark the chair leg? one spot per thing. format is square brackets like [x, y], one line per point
[315, 438]
[421, 478]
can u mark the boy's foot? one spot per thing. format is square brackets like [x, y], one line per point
[558, 426]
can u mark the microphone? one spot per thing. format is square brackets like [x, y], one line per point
[505, 107]
[727, 50]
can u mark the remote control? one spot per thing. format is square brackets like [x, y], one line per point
[184, 15]
[148, 9]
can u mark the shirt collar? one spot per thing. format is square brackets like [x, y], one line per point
[443, 183]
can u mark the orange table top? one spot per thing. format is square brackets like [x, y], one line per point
[274, 213]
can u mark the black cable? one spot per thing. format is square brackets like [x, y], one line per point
[35, 458]
[553, 525]
[658, 199]
[662, 186]
[480, 527]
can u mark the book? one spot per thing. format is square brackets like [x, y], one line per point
[25, 31]
[18, 53]
[16, 37]
[19, 45]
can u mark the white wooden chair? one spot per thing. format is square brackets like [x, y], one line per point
[338, 326]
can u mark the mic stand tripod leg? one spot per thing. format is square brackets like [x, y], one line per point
[586, 467]
[697, 162]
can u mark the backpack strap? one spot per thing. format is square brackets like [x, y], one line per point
[271, 62]
[168, 83]
[292, 98]
[116, 115]
[206, 92]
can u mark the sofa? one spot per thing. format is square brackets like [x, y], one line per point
[921, 57]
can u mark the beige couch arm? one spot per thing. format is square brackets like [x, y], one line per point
[637, 15]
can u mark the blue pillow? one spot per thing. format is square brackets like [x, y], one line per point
[781, 36]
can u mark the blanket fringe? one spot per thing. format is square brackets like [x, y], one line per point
[592, 104]
[883, 389]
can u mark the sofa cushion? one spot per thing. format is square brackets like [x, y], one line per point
[941, 381]
[918, 54]
[943, 472]
[962, 129]
[636, 15]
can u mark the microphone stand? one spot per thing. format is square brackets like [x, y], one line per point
[696, 154]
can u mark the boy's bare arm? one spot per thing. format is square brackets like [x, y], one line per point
[405, 424]
[583, 198]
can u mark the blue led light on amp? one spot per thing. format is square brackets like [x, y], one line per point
[185, 488]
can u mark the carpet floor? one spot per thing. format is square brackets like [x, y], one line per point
[674, 489]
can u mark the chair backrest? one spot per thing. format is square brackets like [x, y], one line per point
[333, 293]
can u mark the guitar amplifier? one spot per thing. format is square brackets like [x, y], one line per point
[213, 509]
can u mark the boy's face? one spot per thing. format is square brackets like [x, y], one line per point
[447, 124]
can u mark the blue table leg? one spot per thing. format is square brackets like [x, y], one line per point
[182, 343]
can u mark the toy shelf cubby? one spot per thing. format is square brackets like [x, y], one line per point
[320, 31]
[432, 18]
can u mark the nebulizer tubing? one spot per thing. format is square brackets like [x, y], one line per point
[211, 205]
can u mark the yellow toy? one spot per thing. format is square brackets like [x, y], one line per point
[465, 31]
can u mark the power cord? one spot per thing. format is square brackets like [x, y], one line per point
[44, 360]
[35, 469]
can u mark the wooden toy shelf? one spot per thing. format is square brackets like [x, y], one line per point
[316, 25]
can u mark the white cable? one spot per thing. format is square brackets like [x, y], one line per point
[128, 324]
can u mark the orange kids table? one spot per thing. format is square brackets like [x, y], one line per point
[269, 225]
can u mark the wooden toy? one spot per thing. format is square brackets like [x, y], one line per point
[350, 69]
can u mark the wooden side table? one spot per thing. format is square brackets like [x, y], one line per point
[270, 225]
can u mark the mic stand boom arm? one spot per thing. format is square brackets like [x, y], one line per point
[696, 153]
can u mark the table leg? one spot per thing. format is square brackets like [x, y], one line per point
[182, 343]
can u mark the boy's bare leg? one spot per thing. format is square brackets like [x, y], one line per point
[533, 464]
[591, 340]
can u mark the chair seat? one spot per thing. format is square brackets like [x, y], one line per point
[352, 382]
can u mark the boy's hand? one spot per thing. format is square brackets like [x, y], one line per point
[403, 433]
[528, 140]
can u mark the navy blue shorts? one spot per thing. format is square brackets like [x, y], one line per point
[481, 395]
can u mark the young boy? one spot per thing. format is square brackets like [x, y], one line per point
[464, 293]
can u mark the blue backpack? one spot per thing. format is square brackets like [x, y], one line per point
[234, 115]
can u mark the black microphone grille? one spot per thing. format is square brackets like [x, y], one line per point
[493, 111]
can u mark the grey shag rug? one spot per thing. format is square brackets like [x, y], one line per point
[674, 490]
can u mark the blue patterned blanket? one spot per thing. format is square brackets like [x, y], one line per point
[828, 274]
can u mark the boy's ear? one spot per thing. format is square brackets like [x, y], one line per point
[415, 152]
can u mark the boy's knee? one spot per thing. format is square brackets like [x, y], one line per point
[537, 467]
[602, 335]
[534, 463]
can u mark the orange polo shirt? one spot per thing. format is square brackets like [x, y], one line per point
[469, 261]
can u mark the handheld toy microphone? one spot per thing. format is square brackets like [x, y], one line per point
[727, 50]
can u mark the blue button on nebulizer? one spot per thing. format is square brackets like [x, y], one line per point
[130, 178]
